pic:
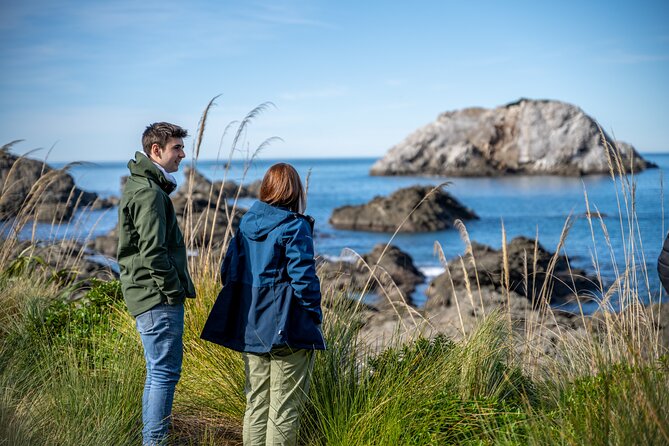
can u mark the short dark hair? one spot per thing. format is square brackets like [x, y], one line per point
[281, 186]
[159, 133]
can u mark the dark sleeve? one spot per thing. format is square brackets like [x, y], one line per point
[230, 261]
[149, 218]
[663, 265]
[302, 267]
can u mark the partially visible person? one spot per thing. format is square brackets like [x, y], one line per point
[269, 307]
[154, 270]
[663, 265]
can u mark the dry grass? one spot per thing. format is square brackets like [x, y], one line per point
[482, 387]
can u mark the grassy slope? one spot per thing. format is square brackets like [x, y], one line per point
[72, 374]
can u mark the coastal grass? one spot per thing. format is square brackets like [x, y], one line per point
[72, 371]
[75, 384]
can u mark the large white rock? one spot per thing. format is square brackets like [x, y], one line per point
[535, 137]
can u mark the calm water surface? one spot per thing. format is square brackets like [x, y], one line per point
[524, 205]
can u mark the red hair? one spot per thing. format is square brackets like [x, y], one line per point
[281, 186]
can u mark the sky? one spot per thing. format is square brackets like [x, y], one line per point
[343, 78]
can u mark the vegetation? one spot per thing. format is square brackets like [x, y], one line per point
[72, 371]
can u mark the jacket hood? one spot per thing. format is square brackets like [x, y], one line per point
[262, 218]
[142, 166]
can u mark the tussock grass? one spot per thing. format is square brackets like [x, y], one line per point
[71, 372]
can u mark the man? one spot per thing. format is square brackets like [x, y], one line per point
[154, 270]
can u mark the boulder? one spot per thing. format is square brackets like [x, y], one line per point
[536, 332]
[385, 214]
[198, 228]
[36, 190]
[196, 224]
[395, 275]
[65, 260]
[204, 191]
[106, 244]
[528, 271]
[205, 212]
[527, 137]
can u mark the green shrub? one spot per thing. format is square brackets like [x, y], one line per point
[78, 319]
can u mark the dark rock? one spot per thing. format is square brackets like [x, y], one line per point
[198, 231]
[395, 276]
[206, 209]
[67, 260]
[528, 273]
[529, 137]
[195, 222]
[106, 245]
[35, 190]
[203, 192]
[105, 203]
[385, 214]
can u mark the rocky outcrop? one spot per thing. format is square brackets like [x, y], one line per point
[206, 210]
[107, 244]
[535, 331]
[390, 274]
[528, 271]
[34, 189]
[453, 310]
[529, 137]
[385, 214]
[202, 190]
[66, 260]
[196, 223]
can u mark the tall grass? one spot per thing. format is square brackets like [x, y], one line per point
[71, 372]
[66, 379]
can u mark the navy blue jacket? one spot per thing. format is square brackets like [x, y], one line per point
[271, 295]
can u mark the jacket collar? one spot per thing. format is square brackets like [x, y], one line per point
[261, 218]
[142, 166]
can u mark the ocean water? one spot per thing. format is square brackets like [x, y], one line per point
[525, 205]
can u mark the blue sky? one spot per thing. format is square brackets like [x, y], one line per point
[348, 78]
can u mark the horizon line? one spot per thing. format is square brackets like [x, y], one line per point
[276, 158]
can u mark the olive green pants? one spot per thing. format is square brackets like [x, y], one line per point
[277, 384]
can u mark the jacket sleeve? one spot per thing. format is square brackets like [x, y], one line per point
[150, 220]
[302, 267]
[230, 261]
[663, 265]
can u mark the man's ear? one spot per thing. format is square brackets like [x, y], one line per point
[156, 150]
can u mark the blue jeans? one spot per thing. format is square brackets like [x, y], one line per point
[161, 329]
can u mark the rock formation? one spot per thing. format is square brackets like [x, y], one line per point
[527, 273]
[40, 192]
[529, 137]
[395, 275]
[533, 324]
[205, 190]
[65, 260]
[204, 212]
[385, 214]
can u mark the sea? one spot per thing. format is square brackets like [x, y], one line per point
[531, 206]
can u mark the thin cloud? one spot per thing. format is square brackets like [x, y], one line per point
[284, 14]
[324, 93]
[632, 59]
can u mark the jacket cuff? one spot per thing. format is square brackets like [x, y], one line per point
[176, 300]
[316, 316]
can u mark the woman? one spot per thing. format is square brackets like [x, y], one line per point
[269, 307]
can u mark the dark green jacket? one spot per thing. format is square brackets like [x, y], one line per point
[151, 249]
